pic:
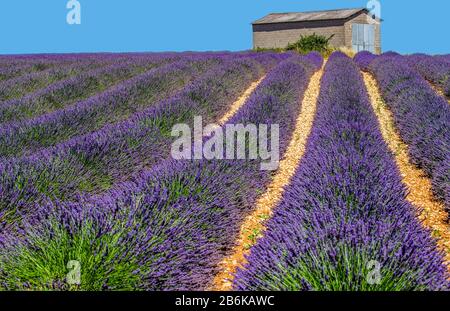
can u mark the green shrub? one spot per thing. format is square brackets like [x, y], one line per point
[311, 43]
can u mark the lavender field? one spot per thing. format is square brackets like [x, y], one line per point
[91, 197]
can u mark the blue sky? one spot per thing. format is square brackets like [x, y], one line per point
[39, 26]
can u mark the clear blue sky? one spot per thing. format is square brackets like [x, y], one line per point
[39, 26]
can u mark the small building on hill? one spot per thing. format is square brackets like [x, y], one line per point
[352, 28]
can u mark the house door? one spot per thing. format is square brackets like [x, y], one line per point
[363, 37]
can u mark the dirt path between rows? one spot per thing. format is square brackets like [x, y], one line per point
[430, 212]
[254, 223]
[240, 102]
[438, 90]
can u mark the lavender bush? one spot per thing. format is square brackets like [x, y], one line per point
[363, 59]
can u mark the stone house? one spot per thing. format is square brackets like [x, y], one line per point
[352, 28]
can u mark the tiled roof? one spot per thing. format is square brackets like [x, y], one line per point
[308, 16]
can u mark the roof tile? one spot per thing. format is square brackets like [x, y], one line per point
[307, 16]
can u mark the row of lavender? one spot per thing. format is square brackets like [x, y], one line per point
[23, 84]
[435, 69]
[14, 70]
[19, 65]
[112, 105]
[15, 65]
[344, 222]
[41, 73]
[170, 226]
[67, 91]
[421, 116]
[11, 67]
[97, 160]
[18, 79]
